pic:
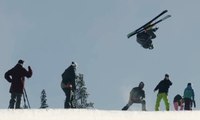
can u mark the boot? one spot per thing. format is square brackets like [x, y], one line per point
[125, 108]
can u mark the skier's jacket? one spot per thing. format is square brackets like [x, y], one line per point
[189, 93]
[163, 86]
[68, 77]
[137, 93]
[16, 76]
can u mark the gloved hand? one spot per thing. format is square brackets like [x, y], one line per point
[68, 86]
[155, 29]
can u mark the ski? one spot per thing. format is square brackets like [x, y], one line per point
[134, 32]
[146, 27]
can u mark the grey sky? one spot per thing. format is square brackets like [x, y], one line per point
[49, 34]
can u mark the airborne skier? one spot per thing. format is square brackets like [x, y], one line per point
[145, 38]
[145, 33]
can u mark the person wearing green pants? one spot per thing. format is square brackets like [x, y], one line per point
[163, 88]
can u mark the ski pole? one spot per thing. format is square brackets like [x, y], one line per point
[27, 98]
[25, 106]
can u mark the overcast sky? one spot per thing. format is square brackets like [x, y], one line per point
[49, 34]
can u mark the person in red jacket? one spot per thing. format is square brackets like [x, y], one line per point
[16, 76]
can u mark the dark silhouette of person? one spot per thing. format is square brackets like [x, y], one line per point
[145, 37]
[188, 97]
[68, 84]
[163, 88]
[137, 95]
[16, 76]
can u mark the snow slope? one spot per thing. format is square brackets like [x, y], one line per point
[82, 114]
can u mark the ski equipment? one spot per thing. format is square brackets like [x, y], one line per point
[149, 24]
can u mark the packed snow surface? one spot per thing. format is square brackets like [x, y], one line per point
[84, 114]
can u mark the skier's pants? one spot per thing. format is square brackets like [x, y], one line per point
[177, 104]
[15, 97]
[132, 100]
[69, 98]
[188, 104]
[161, 96]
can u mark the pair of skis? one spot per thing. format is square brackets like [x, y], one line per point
[150, 24]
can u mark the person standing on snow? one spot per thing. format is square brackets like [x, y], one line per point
[68, 84]
[16, 76]
[137, 95]
[163, 88]
[178, 102]
[189, 97]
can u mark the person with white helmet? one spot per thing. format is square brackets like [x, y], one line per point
[68, 84]
[137, 95]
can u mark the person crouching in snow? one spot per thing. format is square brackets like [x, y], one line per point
[178, 102]
[137, 95]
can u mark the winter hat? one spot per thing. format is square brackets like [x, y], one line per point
[141, 85]
[166, 75]
[20, 62]
[74, 64]
[189, 84]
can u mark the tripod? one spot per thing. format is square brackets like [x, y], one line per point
[25, 97]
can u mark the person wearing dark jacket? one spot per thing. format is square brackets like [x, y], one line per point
[188, 97]
[68, 84]
[163, 88]
[16, 76]
[178, 102]
[137, 95]
[145, 38]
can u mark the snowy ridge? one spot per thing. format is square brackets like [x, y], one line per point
[82, 114]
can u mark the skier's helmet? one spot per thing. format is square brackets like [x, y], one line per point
[141, 85]
[74, 64]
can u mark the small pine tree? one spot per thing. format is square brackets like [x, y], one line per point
[43, 99]
[81, 94]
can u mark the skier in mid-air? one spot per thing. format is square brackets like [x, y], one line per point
[16, 76]
[68, 84]
[145, 33]
[137, 95]
[145, 38]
